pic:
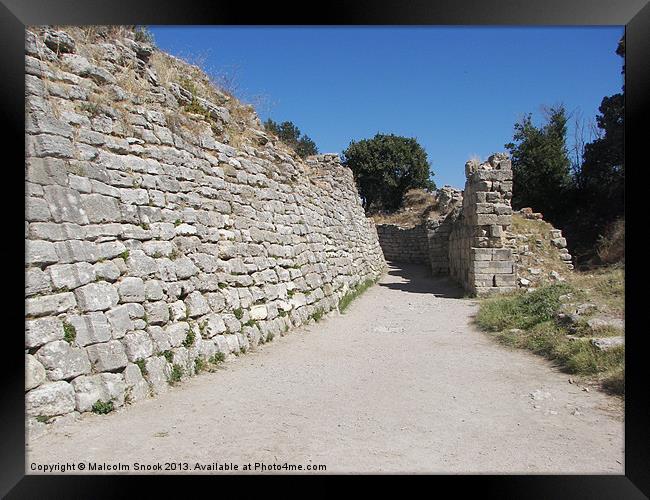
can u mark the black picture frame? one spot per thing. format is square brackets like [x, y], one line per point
[634, 14]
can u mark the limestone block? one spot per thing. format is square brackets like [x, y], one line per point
[131, 289]
[65, 204]
[158, 373]
[34, 372]
[103, 387]
[138, 345]
[42, 330]
[90, 328]
[62, 361]
[157, 313]
[120, 321]
[177, 333]
[153, 290]
[137, 387]
[54, 398]
[71, 276]
[37, 281]
[40, 253]
[196, 305]
[49, 304]
[100, 208]
[214, 325]
[106, 357]
[98, 296]
[108, 271]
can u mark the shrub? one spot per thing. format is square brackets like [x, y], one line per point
[141, 365]
[69, 332]
[176, 374]
[290, 135]
[102, 407]
[217, 358]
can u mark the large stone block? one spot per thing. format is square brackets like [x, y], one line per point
[65, 204]
[100, 208]
[90, 328]
[40, 253]
[36, 281]
[107, 357]
[104, 387]
[137, 387]
[55, 398]
[42, 330]
[96, 296]
[71, 276]
[120, 320]
[196, 305]
[34, 372]
[138, 345]
[62, 361]
[131, 289]
[49, 304]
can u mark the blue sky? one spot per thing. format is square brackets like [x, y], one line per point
[457, 90]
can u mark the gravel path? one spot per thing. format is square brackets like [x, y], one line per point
[400, 383]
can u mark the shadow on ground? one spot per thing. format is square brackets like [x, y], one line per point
[417, 278]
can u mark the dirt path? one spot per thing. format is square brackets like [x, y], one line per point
[400, 383]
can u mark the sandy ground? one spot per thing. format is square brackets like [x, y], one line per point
[400, 383]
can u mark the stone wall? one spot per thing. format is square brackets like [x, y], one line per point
[480, 246]
[401, 244]
[438, 231]
[162, 227]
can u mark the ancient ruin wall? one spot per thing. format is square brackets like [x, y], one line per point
[480, 247]
[163, 228]
[401, 244]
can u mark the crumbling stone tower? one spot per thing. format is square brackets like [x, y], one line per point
[480, 251]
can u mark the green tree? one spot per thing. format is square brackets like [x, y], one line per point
[385, 167]
[290, 134]
[540, 165]
[600, 180]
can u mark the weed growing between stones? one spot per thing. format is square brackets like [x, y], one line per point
[125, 254]
[69, 332]
[239, 313]
[102, 407]
[189, 340]
[199, 365]
[217, 358]
[176, 374]
[142, 366]
[347, 299]
[318, 315]
[169, 356]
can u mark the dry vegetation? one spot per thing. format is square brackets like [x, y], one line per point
[530, 320]
[418, 206]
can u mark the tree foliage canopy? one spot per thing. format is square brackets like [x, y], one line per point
[590, 200]
[385, 167]
[290, 134]
[540, 163]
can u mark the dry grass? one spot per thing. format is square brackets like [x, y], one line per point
[418, 206]
[604, 287]
[611, 246]
[527, 320]
[545, 256]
